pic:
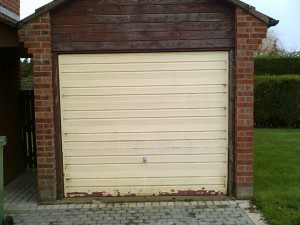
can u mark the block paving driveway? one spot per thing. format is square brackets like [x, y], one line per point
[156, 213]
[20, 202]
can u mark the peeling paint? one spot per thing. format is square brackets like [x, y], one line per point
[201, 192]
[98, 194]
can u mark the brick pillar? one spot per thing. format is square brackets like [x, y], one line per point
[36, 36]
[250, 32]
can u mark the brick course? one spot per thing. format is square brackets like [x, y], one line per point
[250, 32]
[36, 37]
[11, 5]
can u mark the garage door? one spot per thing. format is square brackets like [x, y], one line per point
[144, 124]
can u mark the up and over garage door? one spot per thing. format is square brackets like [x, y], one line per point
[144, 124]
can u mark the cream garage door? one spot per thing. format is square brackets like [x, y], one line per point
[144, 124]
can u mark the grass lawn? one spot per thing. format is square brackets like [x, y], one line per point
[277, 175]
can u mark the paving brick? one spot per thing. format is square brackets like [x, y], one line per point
[200, 213]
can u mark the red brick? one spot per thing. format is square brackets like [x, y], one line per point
[248, 40]
[244, 174]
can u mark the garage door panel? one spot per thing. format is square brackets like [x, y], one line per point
[120, 182]
[148, 174]
[140, 58]
[139, 102]
[156, 76]
[149, 128]
[144, 125]
[143, 98]
[138, 160]
[76, 152]
[152, 90]
[157, 113]
[145, 121]
[117, 109]
[131, 79]
[146, 136]
[218, 166]
[180, 104]
[139, 67]
[147, 144]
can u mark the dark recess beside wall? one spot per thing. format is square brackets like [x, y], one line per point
[10, 119]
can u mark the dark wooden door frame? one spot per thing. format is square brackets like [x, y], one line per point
[231, 114]
[57, 128]
[231, 124]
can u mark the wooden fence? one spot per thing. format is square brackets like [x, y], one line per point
[28, 127]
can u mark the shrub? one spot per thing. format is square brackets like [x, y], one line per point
[277, 65]
[277, 101]
[26, 68]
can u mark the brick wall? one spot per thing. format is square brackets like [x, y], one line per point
[36, 36]
[11, 5]
[250, 32]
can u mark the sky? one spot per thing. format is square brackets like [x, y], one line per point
[287, 11]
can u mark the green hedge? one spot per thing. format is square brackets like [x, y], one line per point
[277, 101]
[275, 65]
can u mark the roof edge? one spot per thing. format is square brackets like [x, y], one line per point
[252, 10]
[8, 20]
[43, 9]
[58, 3]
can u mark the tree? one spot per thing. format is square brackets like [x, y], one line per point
[271, 46]
[294, 52]
[26, 66]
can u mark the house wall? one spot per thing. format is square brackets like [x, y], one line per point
[36, 36]
[11, 5]
[10, 114]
